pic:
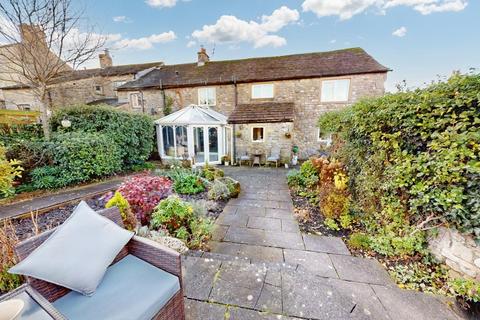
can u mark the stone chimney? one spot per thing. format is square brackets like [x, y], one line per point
[105, 59]
[32, 35]
[202, 57]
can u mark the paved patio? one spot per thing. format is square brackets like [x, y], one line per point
[262, 267]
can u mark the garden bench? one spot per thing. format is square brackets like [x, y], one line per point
[144, 281]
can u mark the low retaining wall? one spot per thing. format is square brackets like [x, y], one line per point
[458, 251]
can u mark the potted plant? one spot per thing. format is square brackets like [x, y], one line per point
[288, 135]
[238, 134]
[295, 155]
[226, 160]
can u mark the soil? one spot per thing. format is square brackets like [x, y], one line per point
[24, 227]
[310, 218]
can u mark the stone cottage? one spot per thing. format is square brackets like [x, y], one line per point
[90, 86]
[268, 101]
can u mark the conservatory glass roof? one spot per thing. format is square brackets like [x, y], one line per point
[193, 114]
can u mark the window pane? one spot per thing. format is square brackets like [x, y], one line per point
[335, 90]
[181, 139]
[213, 144]
[262, 91]
[206, 96]
[257, 134]
[198, 144]
[168, 146]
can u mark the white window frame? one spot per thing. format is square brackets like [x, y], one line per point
[327, 141]
[263, 135]
[334, 99]
[22, 106]
[262, 96]
[207, 90]
[139, 98]
[98, 91]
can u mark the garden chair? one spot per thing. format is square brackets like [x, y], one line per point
[245, 157]
[274, 156]
[124, 284]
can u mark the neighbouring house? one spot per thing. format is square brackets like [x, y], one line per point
[33, 40]
[89, 86]
[268, 102]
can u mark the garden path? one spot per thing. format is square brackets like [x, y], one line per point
[50, 200]
[262, 267]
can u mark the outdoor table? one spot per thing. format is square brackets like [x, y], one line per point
[36, 307]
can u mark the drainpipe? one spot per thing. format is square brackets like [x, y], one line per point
[164, 98]
[143, 102]
[234, 138]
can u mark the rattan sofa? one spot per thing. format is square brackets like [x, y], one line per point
[147, 250]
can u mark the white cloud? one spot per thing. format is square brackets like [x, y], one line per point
[230, 29]
[345, 9]
[161, 3]
[191, 43]
[122, 19]
[146, 42]
[333, 41]
[400, 32]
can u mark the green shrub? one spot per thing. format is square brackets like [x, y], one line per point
[233, 186]
[309, 174]
[467, 289]
[412, 159]
[133, 133]
[181, 222]
[33, 153]
[82, 156]
[48, 177]
[189, 184]
[294, 178]
[359, 241]
[218, 190]
[211, 173]
[9, 171]
[129, 219]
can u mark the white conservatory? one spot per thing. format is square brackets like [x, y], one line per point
[196, 133]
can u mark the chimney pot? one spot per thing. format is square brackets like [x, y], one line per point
[202, 57]
[105, 59]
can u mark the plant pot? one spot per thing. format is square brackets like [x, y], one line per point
[286, 165]
[227, 163]
[294, 160]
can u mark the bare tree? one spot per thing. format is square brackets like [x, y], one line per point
[44, 42]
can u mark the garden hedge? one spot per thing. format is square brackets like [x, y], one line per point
[133, 133]
[413, 157]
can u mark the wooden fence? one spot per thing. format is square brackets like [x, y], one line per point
[14, 117]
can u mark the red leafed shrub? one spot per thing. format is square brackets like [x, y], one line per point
[143, 192]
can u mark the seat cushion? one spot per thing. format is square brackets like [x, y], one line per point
[77, 254]
[272, 158]
[244, 158]
[131, 289]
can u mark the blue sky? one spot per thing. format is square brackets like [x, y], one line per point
[418, 39]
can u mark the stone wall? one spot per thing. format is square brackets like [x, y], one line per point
[18, 97]
[459, 252]
[274, 136]
[304, 93]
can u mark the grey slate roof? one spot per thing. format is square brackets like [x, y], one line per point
[296, 66]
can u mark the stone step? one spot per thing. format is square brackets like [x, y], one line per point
[219, 281]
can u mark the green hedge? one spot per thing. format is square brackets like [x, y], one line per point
[77, 157]
[133, 133]
[413, 157]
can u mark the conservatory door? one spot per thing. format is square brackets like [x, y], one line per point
[207, 144]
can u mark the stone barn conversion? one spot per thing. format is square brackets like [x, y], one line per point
[268, 102]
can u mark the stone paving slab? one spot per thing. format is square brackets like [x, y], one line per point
[238, 285]
[315, 262]
[198, 276]
[409, 305]
[270, 224]
[255, 253]
[219, 232]
[279, 214]
[232, 219]
[196, 310]
[325, 244]
[360, 270]
[259, 237]
[251, 211]
[290, 226]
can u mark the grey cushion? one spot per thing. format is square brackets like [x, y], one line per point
[131, 289]
[272, 158]
[78, 252]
